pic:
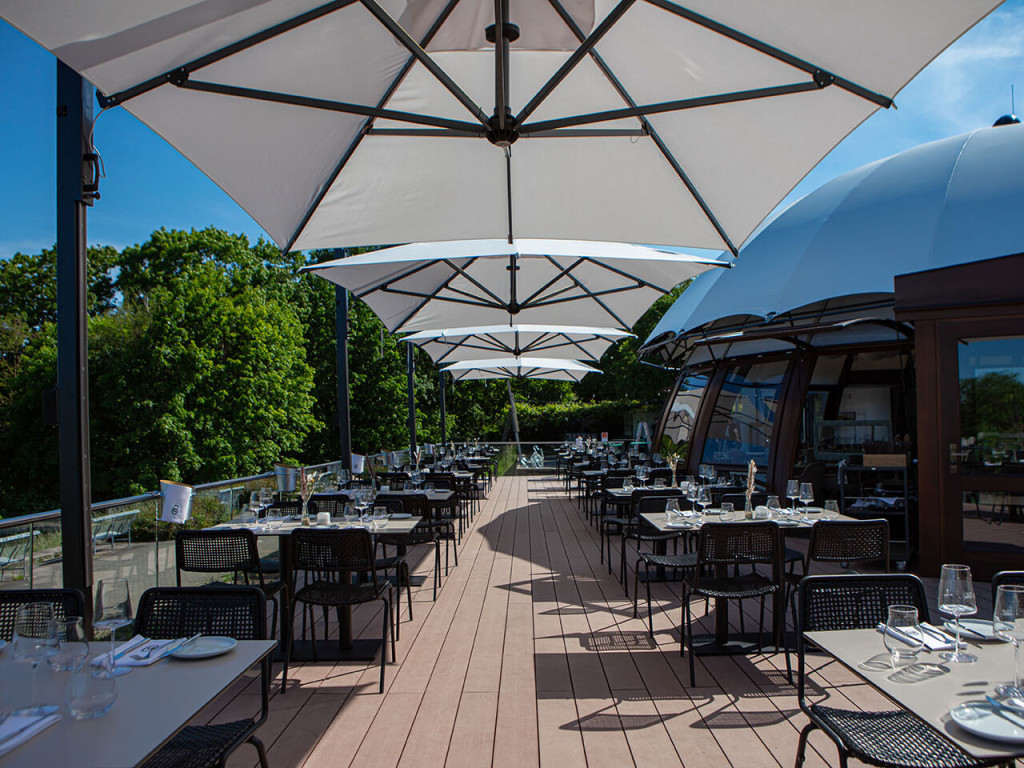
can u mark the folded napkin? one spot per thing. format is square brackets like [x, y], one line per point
[17, 729]
[934, 638]
[140, 652]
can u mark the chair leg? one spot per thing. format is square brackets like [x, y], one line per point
[636, 585]
[650, 610]
[801, 746]
[384, 645]
[437, 566]
[408, 587]
[288, 649]
[261, 751]
[760, 627]
[622, 564]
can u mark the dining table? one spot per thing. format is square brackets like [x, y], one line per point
[932, 688]
[346, 647]
[789, 523]
[153, 703]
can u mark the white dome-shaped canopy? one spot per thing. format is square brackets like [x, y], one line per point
[523, 367]
[948, 202]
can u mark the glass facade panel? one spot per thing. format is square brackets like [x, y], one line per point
[993, 521]
[683, 409]
[992, 405]
[744, 415]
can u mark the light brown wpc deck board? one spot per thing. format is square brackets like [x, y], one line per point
[531, 656]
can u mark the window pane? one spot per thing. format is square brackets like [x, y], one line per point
[743, 417]
[683, 410]
[993, 521]
[992, 405]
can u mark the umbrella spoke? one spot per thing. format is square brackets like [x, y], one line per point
[752, 42]
[426, 60]
[562, 272]
[459, 270]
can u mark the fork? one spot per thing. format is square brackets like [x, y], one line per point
[145, 654]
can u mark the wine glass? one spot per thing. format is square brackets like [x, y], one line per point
[712, 474]
[74, 645]
[903, 637]
[831, 510]
[35, 638]
[1008, 624]
[806, 497]
[793, 492]
[113, 611]
[703, 498]
[956, 598]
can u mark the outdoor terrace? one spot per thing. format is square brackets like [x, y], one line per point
[531, 656]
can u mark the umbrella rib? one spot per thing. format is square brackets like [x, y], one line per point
[470, 300]
[562, 272]
[577, 56]
[426, 60]
[331, 106]
[472, 280]
[776, 53]
[221, 53]
[350, 150]
[403, 276]
[595, 297]
[658, 141]
[621, 273]
[671, 106]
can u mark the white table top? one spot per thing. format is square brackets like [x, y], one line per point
[153, 703]
[400, 526]
[713, 515]
[930, 687]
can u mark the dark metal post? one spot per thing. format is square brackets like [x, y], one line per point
[341, 344]
[515, 417]
[410, 364]
[444, 415]
[74, 121]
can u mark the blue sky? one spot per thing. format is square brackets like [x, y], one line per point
[149, 185]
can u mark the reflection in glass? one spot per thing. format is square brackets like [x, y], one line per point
[744, 415]
[992, 405]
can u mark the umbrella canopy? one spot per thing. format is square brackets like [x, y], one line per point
[424, 286]
[483, 342]
[362, 122]
[522, 367]
[838, 249]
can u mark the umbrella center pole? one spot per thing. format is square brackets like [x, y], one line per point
[513, 268]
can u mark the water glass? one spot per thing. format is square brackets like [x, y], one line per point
[1008, 624]
[74, 645]
[92, 691]
[831, 510]
[793, 492]
[956, 598]
[274, 517]
[380, 516]
[35, 640]
[903, 637]
[774, 505]
[672, 508]
[113, 610]
[727, 511]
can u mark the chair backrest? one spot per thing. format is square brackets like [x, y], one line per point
[739, 500]
[166, 612]
[216, 551]
[853, 601]
[747, 543]
[849, 541]
[330, 502]
[288, 507]
[66, 602]
[333, 552]
[650, 493]
[1006, 577]
[649, 505]
[443, 481]
[393, 504]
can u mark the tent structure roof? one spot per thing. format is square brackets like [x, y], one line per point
[947, 202]
[362, 122]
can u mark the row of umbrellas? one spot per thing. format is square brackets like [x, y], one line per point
[519, 304]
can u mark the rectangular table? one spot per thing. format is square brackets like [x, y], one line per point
[153, 703]
[931, 686]
[346, 648]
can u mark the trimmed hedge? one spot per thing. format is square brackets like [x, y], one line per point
[553, 421]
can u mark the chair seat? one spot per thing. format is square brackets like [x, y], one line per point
[736, 587]
[387, 563]
[201, 746]
[898, 739]
[788, 555]
[335, 594]
[670, 561]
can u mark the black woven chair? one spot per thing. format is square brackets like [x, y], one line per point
[224, 551]
[241, 613]
[625, 524]
[1006, 577]
[432, 524]
[328, 561]
[675, 562]
[724, 545]
[66, 602]
[643, 532]
[396, 562]
[893, 738]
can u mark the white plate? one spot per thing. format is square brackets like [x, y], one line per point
[980, 626]
[400, 516]
[982, 719]
[788, 523]
[205, 647]
[677, 524]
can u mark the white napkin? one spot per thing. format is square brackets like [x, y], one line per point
[133, 653]
[931, 634]
[17, 729]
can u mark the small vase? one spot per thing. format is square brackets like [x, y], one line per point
[748, 511]
[305, 512]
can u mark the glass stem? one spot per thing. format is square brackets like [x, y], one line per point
[956, 651]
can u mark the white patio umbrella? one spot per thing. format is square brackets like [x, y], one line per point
[424, 286]
[838, 249]
[451, 344]
[523, 367]
[362, 122]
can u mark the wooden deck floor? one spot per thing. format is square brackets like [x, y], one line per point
[530, 656]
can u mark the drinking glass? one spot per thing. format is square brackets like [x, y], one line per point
[712, 474]
[1008, 624]
[903, 637]
[274, 517]
[727, 511]
[831, 510]
[627, 484]
[793, 492]
[806, 493]
[672, 508]
[248, 515]
[380, 516]
[113, 611]
[703, 498]
[956, 598]
[74, 645]
[774, 505]
[92, 692]
[35, 639]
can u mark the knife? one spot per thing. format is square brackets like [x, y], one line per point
[1002, 706]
